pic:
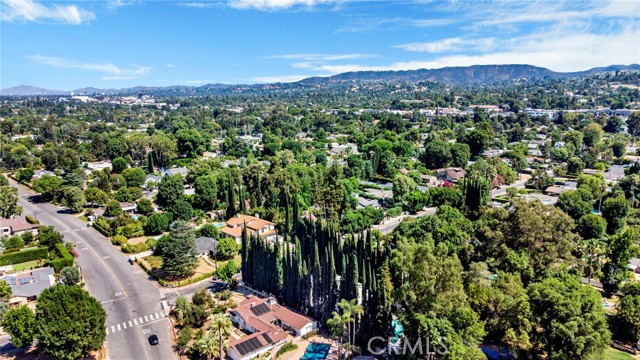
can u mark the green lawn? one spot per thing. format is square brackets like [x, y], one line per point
[613, 354]
[154, 261]
[25, 265]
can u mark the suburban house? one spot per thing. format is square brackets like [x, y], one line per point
[255, 226]
[451, 174]
[269, 323]
[98, 165]
[128, 208]
[256, 314]
[430, 180]
[183, 171]
[364, 202]
[152, 178]
[255, 344]
[206, 246]
[555, 190]
[27, 285]
[40, 173]
[17, 226]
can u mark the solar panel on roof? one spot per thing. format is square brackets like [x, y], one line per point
[268, 338]
[248, 346]
[259, 310]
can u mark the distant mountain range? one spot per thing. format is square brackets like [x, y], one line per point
[449, 75]
[463, 74]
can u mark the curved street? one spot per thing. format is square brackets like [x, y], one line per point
[130, 297]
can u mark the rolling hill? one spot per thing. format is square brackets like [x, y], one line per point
[483, 74]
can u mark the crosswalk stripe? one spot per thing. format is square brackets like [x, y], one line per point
[113, 328]
[145, 318]
[135, 321]
[107, 330]
[130, 323]
[124, 324]
[141, 320]
[119, 327]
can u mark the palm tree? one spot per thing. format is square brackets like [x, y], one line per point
[208, 347]
[593, 250]
[338, 325]
[222, 325]
[352, 310]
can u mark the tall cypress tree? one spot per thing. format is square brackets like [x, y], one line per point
[150, 166]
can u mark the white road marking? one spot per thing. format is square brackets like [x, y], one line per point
[141, 320]
[113, 328]
[106, 257]
[145, 318]
[124, 325]
[119, 327]
[130, 324]
[135, 321]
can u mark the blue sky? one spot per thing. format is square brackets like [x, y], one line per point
[121, 43]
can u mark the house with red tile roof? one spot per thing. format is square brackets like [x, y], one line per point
[255, 226]
[269, 323]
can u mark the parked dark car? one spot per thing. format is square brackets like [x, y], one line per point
[153, 339]
[219, 286]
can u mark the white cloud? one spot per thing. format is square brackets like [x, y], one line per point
[322, 57]
[169, 65]
[547, 11]
[431, 22]
[113, 72]
[29, 10]
[276, 4]
[200, 5]
[450, 44]
[555, 51]
[279, 78]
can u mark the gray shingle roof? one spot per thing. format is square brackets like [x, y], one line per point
[206, 244]
[30, 283]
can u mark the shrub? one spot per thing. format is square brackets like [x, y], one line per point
[14, 242]
[395, 211]
[134, 248]
[66, 259]
[286, 348]
[103, 226]
[31, 220]
[23, 256]
[151, 243]
[119, 240]
[130, 230]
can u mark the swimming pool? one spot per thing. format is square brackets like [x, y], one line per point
[316, 351]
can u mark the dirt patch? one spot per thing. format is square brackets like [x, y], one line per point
[138, 240]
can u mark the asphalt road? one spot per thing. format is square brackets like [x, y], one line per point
[131, 299]
[390, 225]
[519, 184]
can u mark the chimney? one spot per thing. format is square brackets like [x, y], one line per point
[257, 216]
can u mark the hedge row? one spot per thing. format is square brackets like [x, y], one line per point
[66, 259]
[31, 220]
[98, 225]
[24, 256]
[187, 281]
